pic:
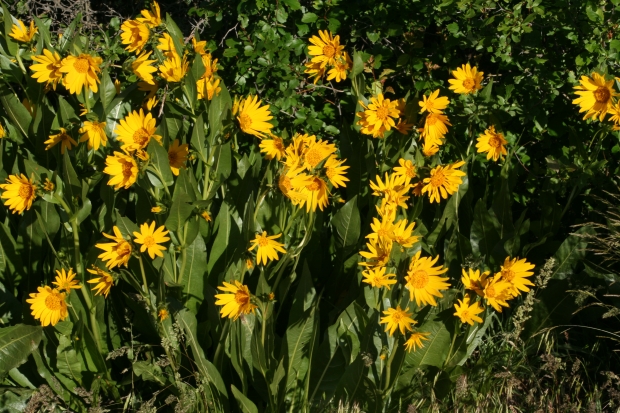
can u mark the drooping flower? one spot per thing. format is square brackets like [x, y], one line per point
[134, 34]
[378, 278]
[466, 80]
[397, 318]
[254, 118]
[435, 128]
[468, 313]
[123, 170]
[174, 68]
[325, 48]
[151, 17]
[423, 281]
[48, 306]
[378, 253]
[116, 253]
[316, 70]
[516, 271]
[393, 182]
[415, 340]
[21, 33]
[47, 69]
[207, 88]
[268, 247]
[81, 72]
[341, 66]
[94, 134]
[136, 131]
[104, 281]
[434, 103]
[595, 96]
[378, 117]
[273, 148]
[199, 47]
[493, 143]
[237, 301]
[151, 238]
[444, 181]
[336, 171]
[143, 69]
[65, 140]
[406, 168]
[19, 192]
[66, 281]
[177, 155]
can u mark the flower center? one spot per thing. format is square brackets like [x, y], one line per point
[465, 314]
[263, 241]
[285, 183]
[127, 169]
[123, 249]
[242, 298]
[245, 121]
[419, 279]
[329, 50]
[278, 144]
[397, 316]
[383, 233]
[313, 157]
[431, 120]
[331, 172]
[173, 158]
[430, 104]
[438, 179]
[315, 185]
[141, 137]
[495, 142]
[602, 95]
[149, 241]
[469, 83]
[26, 191]
[490, 292]
[81, 65]
[383, 113]
[508, 274]
[53, 302]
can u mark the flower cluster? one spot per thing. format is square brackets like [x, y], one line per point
[381, 115]
[328, 53]
[49, 304]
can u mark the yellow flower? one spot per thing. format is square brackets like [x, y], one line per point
[312, 192]
[47, 69]
[206, 216]
[315, 70]
[595, 96]
[210, 65]
[2, 132]
[516, 271]
[493, 143]
[402, 233]
[430, 148]
[466, 80]
[325, 49]
[163, 314]
[403, 127]
[423, 281]
[614, 112]
[434, 104]
[117, 86]
[208, 87]
[21, 33]
[177, 155]
[199, 46]
[150, 238]
[81, 71]
[474, 280]
[406, 168]
[143, 69]
[378, 253]
[417, 188]
[48, 306]
[393, 182]
[65, 140]
[444, 181]
[341, 66]
[435, 128]
[134, 34]
[316, 151]
[378, 278]
[116, 253]
[136, 131]
[497, 291]
[273, 148]
[272, 296]
[156, 209]
[237, 302]
[415, 340]
[378, 116]
[104, 281]
[336, 172]
[174, 69]
[249, 263]
[397, 318]
[253, 118]
[268, 247]
[122, 169]
[94, 133]
[66, 281]
[387, 210]
[468, 313]
[48, 186]
[166, 45]
[19, 193]
[382, 230]
[151, 18]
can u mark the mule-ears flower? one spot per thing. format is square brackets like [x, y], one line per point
[433, 103]
[65, 140]
[134, 34]
[415, 340]
[19, 192]
[273, 148]
[123, 170]
[423, 280]
[142, 68]
[466, 80]
[81, 72]
[47, 69]
[48, 306]
[66, 281]
[595, 96]
[151, 17]
[21, 33]
[177, 155]
[444, 181]
[468, 313]
[236, 300]
[378, 278]
[378, 117]
[116, 253]
[516, 271]
[254, 118]
[325, 48]
[151, 238]
[397, 318]
[268, 247]
[94, 133]
[136, 131]
[174, 68]
[103, 280]
[492, 143]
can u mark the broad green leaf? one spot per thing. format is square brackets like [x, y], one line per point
[8, 25]
[571, 252]
[67, 361]
[149, 371]
[189, 87]
[486, 92]
[180, 211]
[107, 91]
[66, 112]
[483, 236]
[245, 404]
[193, 270]
[159, 159]
[68, 34]
[347, 224]
[199, 140]
[73, 186]
[16, 343]
[17, 113]
[218, 111]
[435, 350]
[43, 32]
[222, 162]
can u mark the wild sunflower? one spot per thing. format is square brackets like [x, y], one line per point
[48, 306]
[496, 292]
[21, 33]
[104, 281]
[397, 318]
[415, 340]
[273, 148]
[19, 192]
[381, 229]
[206, 216]
[336, 171]
[614, 112]
[341, 66]
[151, 238]
[434, 103]
[315, 70]
[116, 253]
[94, 133]
[316, 152]
[166, 45]
[379, 116]
[134, 34]
[210, 65]
[81, 71]
[65, 140]
[136, 131]
[174, 68]
[403, 127]
[516, 271]
[402, 233]
[151, 17]
[268, 247]
[595, 96]
[66, 281]
[378, 278]
[466, 80]
[392, 182]
[468, 313]
[208, 87]
[423, 281]
[123, 170]
[237, 301]
[142, 68]
[378, 254]
[474, 281]
[435, 128]
[398, 197]
[177, 155]
[493, 143]
[253, 118]
[47, 69]
[325, 48]
[406, 168]
[2, 131]
[430, 148]
[444, 181]
[200, 47]
[313, 191]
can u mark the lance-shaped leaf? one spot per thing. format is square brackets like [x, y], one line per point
[17, 343]
[193, 269]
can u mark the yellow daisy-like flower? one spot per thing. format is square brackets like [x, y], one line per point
[65, 140]
[417, 188]
[48, 186]
[143, 69]
[516, 271]
[496, 292]
[273, 148]
[116, 253]
[123, 170]
[117, 86]
[136, 131]
[206, 216]
[325, 48]
[316, 152]
[315, 70]
[134, 34]
[104, 281]
[150, 238]
[434, 103]
[254, 118]
[210, 65]
[200, 47]
[382, 229]
[468, 313]
[236, 302]
[156, 209]
[430, 148]
[423, 281]
[435, 128]
[397, 318]
[415, 340]
[47, 69]
[177, 155]
[614, 112]
[595, 96]
[166, 45]
[94, 134]
[393, 182]
[466, 80]
[312, 191]
[81, 71]
[19, 193]
[406, 168]
[151, 17]
[336, 171]
[474, 280]
[403, 126]
[48, 306]
[208, 87]
[268, 247]
[378, 253]
[174, 68]
[66, 281]
[444, 181]
[379, 116]
[378, 278]
[163, 314]
[493, 143]
[2, 131]
[24, 34]
[341, 66]
[402, 233]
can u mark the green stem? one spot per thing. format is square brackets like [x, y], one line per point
[220, 345]
[145, 284]
[456, 333]
[388, 366]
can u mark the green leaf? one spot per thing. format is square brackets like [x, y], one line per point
[292, 4]
[8, 24]
[189, 87]
[193, 269]
[483, 235]
[218, 111]
[16, 344]
[309, 18]
[67, 361]
[435, 350]
[73, 186]
[43, 32]
[571, 252]
[16, 112]
[245, 404]
[66, 113]
[222, 161]
[159, 159]
[67, 35]
[199, 140]
[180, 210]
[486, 92]
[107, 91]
[347, 223]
